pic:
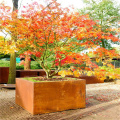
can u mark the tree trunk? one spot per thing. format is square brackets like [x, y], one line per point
[12, 69]
[27, 62]
[15, 5]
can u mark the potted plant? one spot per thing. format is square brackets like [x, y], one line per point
[50, 47]
[54, 36]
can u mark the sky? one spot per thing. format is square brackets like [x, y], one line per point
[77, 4]
[64, 3]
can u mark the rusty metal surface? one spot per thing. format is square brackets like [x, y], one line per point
[46, 97]
[24, 94]
[91, 79]
[4, 73]
[26, 73]
[59, 96]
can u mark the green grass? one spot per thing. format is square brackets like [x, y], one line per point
[4, 63]
[34, 65]
[32, 79]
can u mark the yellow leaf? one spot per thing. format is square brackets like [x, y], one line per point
[63, 74]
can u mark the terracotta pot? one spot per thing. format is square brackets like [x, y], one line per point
[4, 73]
[50, 96]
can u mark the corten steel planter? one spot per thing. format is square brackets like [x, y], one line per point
[41, 73]
[26, 73]
[89, 79]
[50, 96]
[30, 73]
[4, 73]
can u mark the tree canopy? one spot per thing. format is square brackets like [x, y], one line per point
[106, 13]
[53, 32]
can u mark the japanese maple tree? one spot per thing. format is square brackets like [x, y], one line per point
[53, 33]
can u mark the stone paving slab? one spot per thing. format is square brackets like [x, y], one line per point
[102, 103]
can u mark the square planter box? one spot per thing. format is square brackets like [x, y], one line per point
[26, 73]
[50, 96]
[4, 73]
[89, 79]
[30, 73]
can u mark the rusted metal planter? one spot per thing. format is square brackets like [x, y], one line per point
[89, 79]
[4, 73]
[26, 73]
[50, 96]
[30, 73]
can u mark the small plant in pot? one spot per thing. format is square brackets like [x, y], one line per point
[53, 34]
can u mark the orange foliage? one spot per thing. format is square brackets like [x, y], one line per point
[47, 32]
[104, 53]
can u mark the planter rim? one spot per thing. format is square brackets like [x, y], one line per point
[79, 79]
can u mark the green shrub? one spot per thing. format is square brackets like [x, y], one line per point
[34, 65]
[4, 63]
[4, 56]
[19, 67]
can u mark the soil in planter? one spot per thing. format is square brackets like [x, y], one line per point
[43, 78]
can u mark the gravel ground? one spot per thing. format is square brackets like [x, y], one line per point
[102, 103]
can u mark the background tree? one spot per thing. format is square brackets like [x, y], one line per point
[107, 14]
[12, 68]
[15, 5]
